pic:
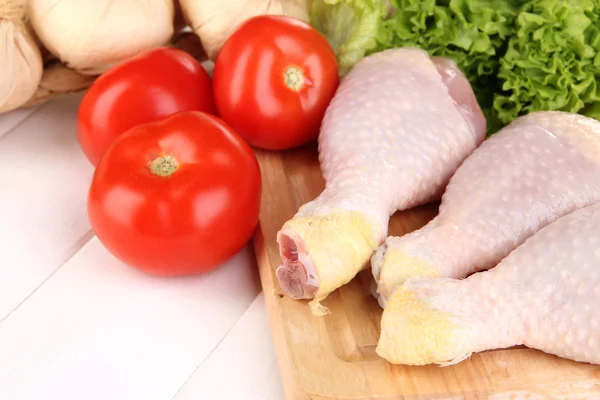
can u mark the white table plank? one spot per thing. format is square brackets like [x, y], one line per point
[245, 358]
[11, 120]
[100, 330]
[44, 179]
[94, 328]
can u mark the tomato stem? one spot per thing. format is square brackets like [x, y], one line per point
[164, 165]
[294, 78]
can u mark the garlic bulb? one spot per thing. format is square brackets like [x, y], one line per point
[91, 36]
[20, 58]
[214, 21]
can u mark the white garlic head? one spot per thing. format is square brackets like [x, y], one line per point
[215, 21]
[21, 63]
[91, 36]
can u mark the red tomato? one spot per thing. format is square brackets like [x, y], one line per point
[146, 88]
[273, 80]
[176, 197]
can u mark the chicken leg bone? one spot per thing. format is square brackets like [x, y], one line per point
[535, 170]
[396, 130]
[544, 295]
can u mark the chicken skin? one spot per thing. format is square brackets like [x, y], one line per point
[544, 295]
[537, 169]
[396, 130]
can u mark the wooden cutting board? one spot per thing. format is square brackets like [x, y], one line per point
[333, 357]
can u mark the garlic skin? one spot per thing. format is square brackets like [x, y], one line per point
[92, 36]
[214, 21]
[21, 63]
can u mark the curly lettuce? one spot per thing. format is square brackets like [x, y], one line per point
[520, 56]
[552, 61]
[473, 33]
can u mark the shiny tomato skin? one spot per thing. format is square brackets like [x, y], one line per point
[185, 223]
[145, 88]
[249, 86]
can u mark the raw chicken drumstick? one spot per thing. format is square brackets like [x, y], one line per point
[545, 295]
[538, 168]
[396, 130]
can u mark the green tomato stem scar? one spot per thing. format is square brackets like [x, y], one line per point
[294, 78]
[164, 165]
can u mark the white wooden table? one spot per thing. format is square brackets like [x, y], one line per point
[75, 323]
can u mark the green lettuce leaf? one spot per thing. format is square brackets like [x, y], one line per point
[350, 26]
[520, 56]
[552, 61]
[473, 33]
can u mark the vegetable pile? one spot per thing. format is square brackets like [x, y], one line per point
[177, 187]
[274, 77]
[520, 55]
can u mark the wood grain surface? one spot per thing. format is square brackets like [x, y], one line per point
[333, 357]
